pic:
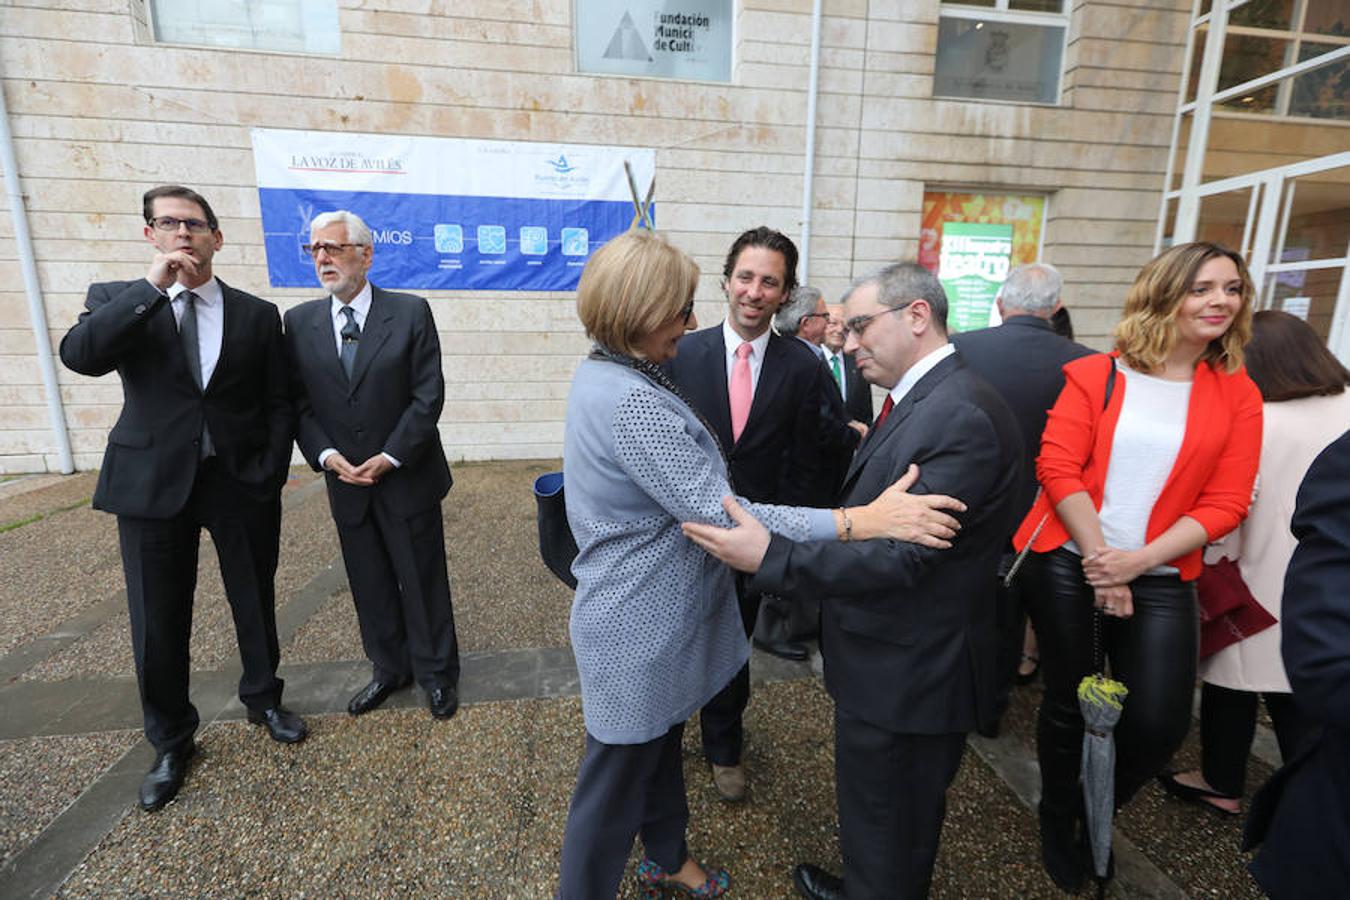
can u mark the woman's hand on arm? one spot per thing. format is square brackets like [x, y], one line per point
[902, 516]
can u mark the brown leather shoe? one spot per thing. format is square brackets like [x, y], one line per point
[730, 782]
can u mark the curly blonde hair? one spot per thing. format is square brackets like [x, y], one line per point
[1147, 331]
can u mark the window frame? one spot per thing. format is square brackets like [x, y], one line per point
[1000, 12]
[150, 38]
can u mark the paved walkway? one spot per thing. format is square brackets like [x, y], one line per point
[397, 803]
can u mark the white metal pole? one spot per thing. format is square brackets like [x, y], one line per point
[37, 312]
[1188, 204]
[808, 178]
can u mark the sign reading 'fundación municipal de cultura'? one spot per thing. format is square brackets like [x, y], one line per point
[671, 39]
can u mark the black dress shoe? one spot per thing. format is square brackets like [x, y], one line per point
[817, 884]
[784, 649]
[165, 777]
[443, 700]
[284, 725]
[372, 695]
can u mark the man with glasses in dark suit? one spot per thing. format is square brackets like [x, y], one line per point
[368, 390]
[203, 441]
[907, 630]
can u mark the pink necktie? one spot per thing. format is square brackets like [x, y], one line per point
[740, 391]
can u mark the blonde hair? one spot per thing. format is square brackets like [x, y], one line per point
[631, 286]
[1147, 331]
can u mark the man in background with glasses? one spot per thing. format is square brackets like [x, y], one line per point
[203, 441]
[368, 391]
[907, 631]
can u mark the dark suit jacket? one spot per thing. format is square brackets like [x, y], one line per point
[1303, 812]
[858, 392]
[777, 459]
[151, 461]
[838, 440]
[1024, 360]
[390, 405]
[907, 631]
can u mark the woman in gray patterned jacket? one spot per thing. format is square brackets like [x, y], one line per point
[655, 625]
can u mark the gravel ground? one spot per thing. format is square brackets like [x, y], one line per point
[39, 777]
[1196, 848]
[24, 498]
[394, 803]
[331, 634]
[308, 543]
[503, 595]
[53, 569]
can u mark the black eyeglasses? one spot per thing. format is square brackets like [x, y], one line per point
[686, 311]
[330, 248]
[815, 316]
[169, 223]
[858, 324]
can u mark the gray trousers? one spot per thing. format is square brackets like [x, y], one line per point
[624, 790]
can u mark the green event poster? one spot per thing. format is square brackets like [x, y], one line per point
[974, 262]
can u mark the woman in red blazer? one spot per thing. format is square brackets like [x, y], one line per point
[1148, 454]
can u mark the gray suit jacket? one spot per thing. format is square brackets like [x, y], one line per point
[907, 632]
[391, 403]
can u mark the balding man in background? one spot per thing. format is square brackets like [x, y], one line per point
[1023, 359]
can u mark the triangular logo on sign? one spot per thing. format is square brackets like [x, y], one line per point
[627, 43]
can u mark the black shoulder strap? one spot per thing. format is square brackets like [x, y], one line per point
[1110, 384]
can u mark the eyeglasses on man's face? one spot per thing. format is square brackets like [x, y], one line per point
[815, 316]
[858, 324]
[169, 223]
[328, 247]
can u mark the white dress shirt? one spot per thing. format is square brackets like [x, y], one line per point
[210, 321]
[757, 347]
[918, 370]
[360, 305]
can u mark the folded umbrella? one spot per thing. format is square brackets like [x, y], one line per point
[1101, 700]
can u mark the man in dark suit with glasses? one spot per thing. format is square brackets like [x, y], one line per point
[203, 441]
[368, 390]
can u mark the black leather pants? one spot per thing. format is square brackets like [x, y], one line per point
[1153, 653]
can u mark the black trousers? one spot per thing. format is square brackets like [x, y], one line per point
[892, 793]
[1010, 622]
[1154, 653]
[401, 587]
[624, 790]
[722, 718]
[159, 561]
[1228, 725]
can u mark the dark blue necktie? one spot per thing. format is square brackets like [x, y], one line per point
[351, 335]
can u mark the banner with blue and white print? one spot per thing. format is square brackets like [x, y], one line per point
[447, 214]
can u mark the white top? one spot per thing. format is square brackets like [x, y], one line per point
[757, 347]
[360, 305]
[918, 370]
[210, 321]
[1143, 451]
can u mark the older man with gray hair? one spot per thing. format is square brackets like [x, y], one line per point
[368, 391]
[804, 317]
[1023, 359]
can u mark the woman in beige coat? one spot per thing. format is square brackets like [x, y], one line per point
[1306, 408]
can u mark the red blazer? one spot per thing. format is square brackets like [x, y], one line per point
[1211, 481]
